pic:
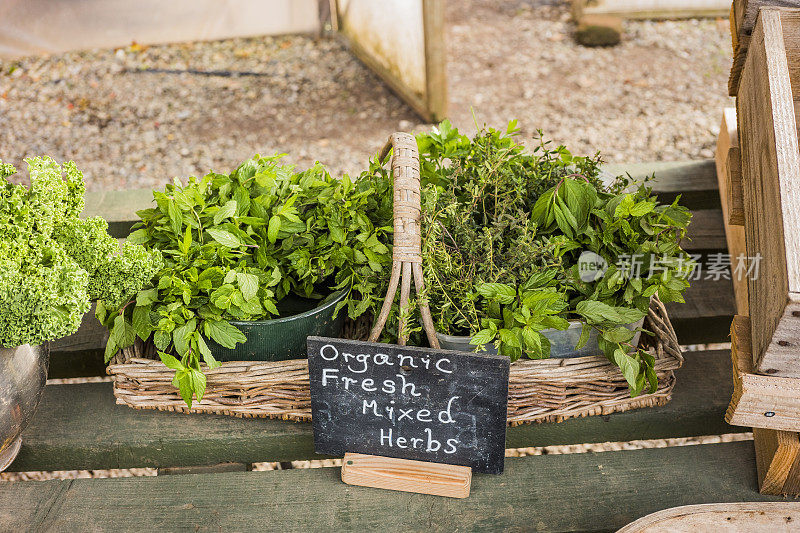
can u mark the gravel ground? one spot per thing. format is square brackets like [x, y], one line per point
[137, 116]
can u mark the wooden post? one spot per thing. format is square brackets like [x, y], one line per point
[406, 475]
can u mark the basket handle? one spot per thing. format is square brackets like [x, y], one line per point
[406, 253]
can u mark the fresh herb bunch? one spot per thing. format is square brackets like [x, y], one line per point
[235, 245]
[52, 263]
[503, 231]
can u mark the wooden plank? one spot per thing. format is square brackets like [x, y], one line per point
[118, 208]
[378, 35]
[746, 12]
[770, 169]
[576, 492]
[707, 313]
[733, 188]
[734, 235]
[747, 517]
[706, 231]
[777, 453]
[406, 475]
[768, 402]
[435, 57]
[743, 20]
[651, 9]
[80, 427]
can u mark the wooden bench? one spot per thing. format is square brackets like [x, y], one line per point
[78, 426]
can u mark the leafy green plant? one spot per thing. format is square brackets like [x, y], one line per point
[236, 245]
[52, 263]
[503, 233]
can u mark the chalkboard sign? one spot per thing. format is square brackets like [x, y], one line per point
[407, 402]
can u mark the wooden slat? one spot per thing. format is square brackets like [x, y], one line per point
[706, 231]
[733, 186]
[727, 140]
[769, 402]
[706, 316]
[777, 453]
[118, 208]
[80, 426]
[651, 9]
[743, 20]
[577, 492]
[770, 170]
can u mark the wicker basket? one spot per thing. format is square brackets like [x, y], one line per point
[539, 390]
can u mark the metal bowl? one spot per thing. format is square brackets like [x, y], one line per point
[23, 373]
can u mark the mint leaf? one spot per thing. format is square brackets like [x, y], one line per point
[596, 313]
[273, 228]
[224, 238]
[628, 365]
[484, 336]
[226, 211]
[504, 294]
[223, 333]
[170, 361]
[248, 284]
[198, 383]
[586, 330]
[141, 321]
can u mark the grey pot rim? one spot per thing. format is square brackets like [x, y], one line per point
[332, 299]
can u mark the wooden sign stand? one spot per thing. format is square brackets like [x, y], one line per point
[381, 472]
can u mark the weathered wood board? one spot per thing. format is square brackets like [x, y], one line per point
[726, 153]
[566, 492]
[403, 42]
[651, 9]
[30, 27]
[407, 402]
[771, 187]
[777, 455]
[768, 402]
[743, 17]
[777, 452]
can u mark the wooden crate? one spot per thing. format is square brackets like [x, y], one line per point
[777, 452]
[770, 162]
[743, 17]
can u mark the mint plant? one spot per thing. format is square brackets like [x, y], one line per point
[235, 245]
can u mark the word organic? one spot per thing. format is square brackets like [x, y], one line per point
[408, 402]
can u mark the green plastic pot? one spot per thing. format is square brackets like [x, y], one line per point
[285, 338]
